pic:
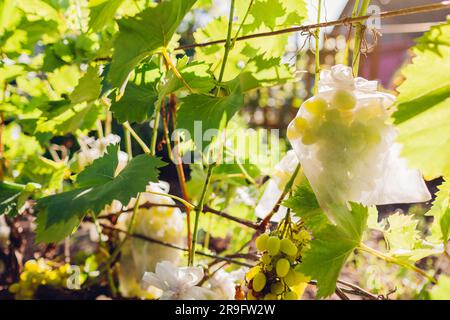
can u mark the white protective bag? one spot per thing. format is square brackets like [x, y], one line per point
[139, 256]
[347, 148]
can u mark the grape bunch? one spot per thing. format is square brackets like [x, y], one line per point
[37, 273]
[337, 129]
[275, 277]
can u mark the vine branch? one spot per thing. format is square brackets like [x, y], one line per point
[169, 245]
[344, 21]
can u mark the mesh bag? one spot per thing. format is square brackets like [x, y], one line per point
[346, 145]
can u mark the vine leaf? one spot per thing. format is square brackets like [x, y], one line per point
[143, 34]
[402, 237]
[332, 246]
[423, 104]
[77, 112]
[13, 196]
[102, 12]
[97, 186]
[209, 111]
[441, 291]
[440, 211]
[304, 204]
[137, 104]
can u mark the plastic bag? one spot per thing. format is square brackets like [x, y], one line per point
[137, 255]
[274, 189]
[347, 148]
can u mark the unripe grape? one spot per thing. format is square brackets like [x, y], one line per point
[300, 123]
[287, 247]
[291, 295]
[309, 137]
[283, 267]
[259, 282]
[266, 259]
[277, 288]
[343, 100]
[24, 276]
[291, 279]
[297, 128]
[31, 266]
[270, 296]
[14, 288]
[261, 242]
[273, 245]
[316, 106]
[303, 235]
[250, 295]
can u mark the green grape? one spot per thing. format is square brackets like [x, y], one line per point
[297, 128]
[259, 282]
[283, 266]
[270, 296]
[273, 245]
[261, 242]
[303, 235]
[316, 106]
[14, 288]
[333, 115]
[343, 100]
[288, 247]
[291, 279]
[250, 295]
[291, 295]
[309, 137]
[372, 136]
[266, 259]
[277, 288]
[300, 124]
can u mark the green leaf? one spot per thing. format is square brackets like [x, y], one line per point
[143, 34]
[102, 12]
[440, 211]
[209, 111]
[13, 196]
[9, 194]
[303, 203]
[441, 291]
[265, 13]
[88, 88]
[402, 237]
[98, 188]
[46, 172]
[101, 171]
[137, 104]
[332, 246]
[423, 104]
[196, 74]
[78, 112]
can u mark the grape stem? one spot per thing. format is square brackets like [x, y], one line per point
[347, 45]
[186, 203]
[174, 69]
[166, 244]
[198, 210]
[359, 34]
[136, 137]
[227, 43]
